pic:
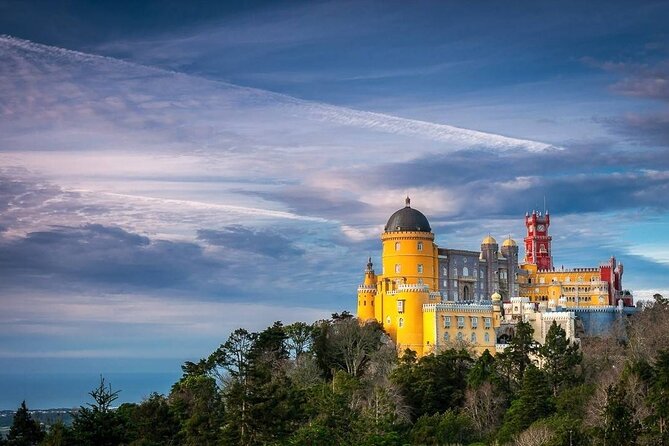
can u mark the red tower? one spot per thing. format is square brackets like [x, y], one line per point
[537, 241]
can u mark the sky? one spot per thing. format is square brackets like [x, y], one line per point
[171, 172]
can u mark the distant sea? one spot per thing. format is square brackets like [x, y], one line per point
[70, 389]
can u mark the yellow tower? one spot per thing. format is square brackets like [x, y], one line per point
[409, 279]
[367, 294]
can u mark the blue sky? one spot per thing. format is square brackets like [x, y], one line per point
[169, 173]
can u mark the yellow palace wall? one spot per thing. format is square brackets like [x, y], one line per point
[577, 287]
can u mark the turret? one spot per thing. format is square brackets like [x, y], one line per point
[367, 293]
[489, 253]
[537, 241]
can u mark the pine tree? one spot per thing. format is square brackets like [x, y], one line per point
[534, 402]
[98, 424]
[658, 395]
[517, 356]
[561, 358]
[619, 426]
[25, 431]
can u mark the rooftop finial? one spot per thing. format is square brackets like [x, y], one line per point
[408, 201]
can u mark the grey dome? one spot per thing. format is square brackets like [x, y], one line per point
[408, 219]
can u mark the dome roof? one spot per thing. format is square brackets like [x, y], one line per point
[496, 296]
[489, 240]
[408, 219]
[509, 242]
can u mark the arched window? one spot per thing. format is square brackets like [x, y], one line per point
[465, 271]
[473, 338]
[397, 246]
[447, 337]
[397, 268]
[400, 322]
[465, 292]
[460, 337]
[486, 337]
[420, 246]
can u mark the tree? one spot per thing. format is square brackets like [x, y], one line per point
[300, 337]
[438, 429]
[152, 423]
[560, 358]
[352, 344]
[196, 403]
[58, 435]
[98, 424]
[658, 395]
[435, 383]
[533, 403]
[483, 370]
[24, 431]
[618, 425]
[231, 363]
[517, 356]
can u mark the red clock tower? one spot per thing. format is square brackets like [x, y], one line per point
[537, 241]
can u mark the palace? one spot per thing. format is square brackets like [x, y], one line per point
[429, 297]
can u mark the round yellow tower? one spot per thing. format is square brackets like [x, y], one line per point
[409, 253]
[410, 273]
[367, 294]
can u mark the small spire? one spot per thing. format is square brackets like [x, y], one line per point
[369, 264]
[408, 201]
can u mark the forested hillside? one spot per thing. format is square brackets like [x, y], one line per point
[338, 382]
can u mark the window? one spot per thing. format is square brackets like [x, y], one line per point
[541, 280]
[400, 306]
[447, 322]
[447, 337]
[460, 337]
[364, 303]
[475, 322]
[465, 271]
[461, 321]
[420, 246]
[445, 283]
[397, 268]
[487, 322]
[388, 320]
[400, 323]
[420, 281]
[397, 246]
[420, 268]
[486, 337]
[445, 270]
[473, 338]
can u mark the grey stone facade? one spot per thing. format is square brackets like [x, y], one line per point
[471, 276]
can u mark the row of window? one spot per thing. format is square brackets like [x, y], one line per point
[398, 268]
[568, 279]
[472, 338]
[419, 246]
[473, 321]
